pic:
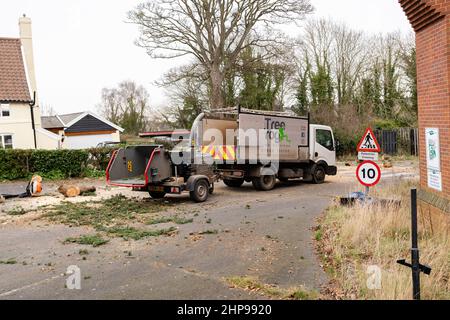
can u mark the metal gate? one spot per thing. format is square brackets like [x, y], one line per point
[399, 141]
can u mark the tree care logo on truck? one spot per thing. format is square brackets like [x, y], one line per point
[272, 126]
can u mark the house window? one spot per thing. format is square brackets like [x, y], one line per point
[6, 141]
[4, 110]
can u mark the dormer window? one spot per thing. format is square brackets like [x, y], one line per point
[4, 110]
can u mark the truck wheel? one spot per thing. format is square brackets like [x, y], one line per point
[318, 175]
[157, 194]
[256, 184]
[264, 183]
[201, 191]
[235, 183]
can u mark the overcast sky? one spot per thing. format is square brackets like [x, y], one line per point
[82, 46]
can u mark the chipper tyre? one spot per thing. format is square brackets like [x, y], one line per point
[201, 191]
[235, 183]
[264, 183]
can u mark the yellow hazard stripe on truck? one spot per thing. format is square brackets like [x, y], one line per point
[225, 153]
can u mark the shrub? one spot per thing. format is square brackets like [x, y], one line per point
[99, 157]
[70, 163]
[14, 164]
[51, 164]
[346, 143]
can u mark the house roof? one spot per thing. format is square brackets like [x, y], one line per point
[68, 120]
[51, 122]
[13, 78]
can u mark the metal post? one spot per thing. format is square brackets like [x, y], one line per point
[415, 265]
[367, 191]
[33, 125]
[415, 248]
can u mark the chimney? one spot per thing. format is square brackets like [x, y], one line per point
[27, 45]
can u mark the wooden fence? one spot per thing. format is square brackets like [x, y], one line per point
[401, 141]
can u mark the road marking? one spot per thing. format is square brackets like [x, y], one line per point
[7, 293]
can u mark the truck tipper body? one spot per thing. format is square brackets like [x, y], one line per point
[232, 145]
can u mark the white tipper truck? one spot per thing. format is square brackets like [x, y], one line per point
[304, 151]
[232, 145]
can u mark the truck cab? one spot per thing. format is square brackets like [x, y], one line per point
[322, 151]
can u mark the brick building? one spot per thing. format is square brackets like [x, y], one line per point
[431, 22]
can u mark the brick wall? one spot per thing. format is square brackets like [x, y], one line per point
[433, 90]
[430, 21]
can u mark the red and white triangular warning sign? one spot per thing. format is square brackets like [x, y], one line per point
[369, 142]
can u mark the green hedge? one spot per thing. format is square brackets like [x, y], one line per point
[51, 164]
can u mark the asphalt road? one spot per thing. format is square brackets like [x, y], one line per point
[263, 234]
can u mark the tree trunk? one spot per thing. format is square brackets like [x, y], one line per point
[217, 100]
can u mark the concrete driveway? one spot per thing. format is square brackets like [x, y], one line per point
[262, 234]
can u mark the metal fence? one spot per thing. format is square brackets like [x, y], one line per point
[404, 141]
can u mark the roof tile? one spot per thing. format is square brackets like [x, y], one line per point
[13, 79]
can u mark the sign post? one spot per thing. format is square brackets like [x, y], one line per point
[368, 172]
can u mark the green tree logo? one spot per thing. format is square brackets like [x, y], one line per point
[284, 136]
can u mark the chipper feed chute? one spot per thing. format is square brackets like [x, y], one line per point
[139, 166]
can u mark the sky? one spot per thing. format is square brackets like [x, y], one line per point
[82, 46]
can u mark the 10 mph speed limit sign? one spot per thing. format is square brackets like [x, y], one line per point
[368, 173]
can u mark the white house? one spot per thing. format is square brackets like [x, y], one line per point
[20, 118]
[82, 130]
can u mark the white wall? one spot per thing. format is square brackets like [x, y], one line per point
[47, 140]
[89, 141]
[18, 124]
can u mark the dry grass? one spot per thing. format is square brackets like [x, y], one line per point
[351, 239]
[252, 284]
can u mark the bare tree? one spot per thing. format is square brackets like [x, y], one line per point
[213, 31]
[350, 53]
[110, 106]
[48, 110]
[126, 105]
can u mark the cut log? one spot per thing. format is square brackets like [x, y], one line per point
[71, 191]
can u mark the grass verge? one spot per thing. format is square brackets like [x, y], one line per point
[17, 212]
[9, 261]
[176, 220]
[351, 239]
[92, 240]
[111, 217]
[137, 234]
[254, 285]
[115, 210]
